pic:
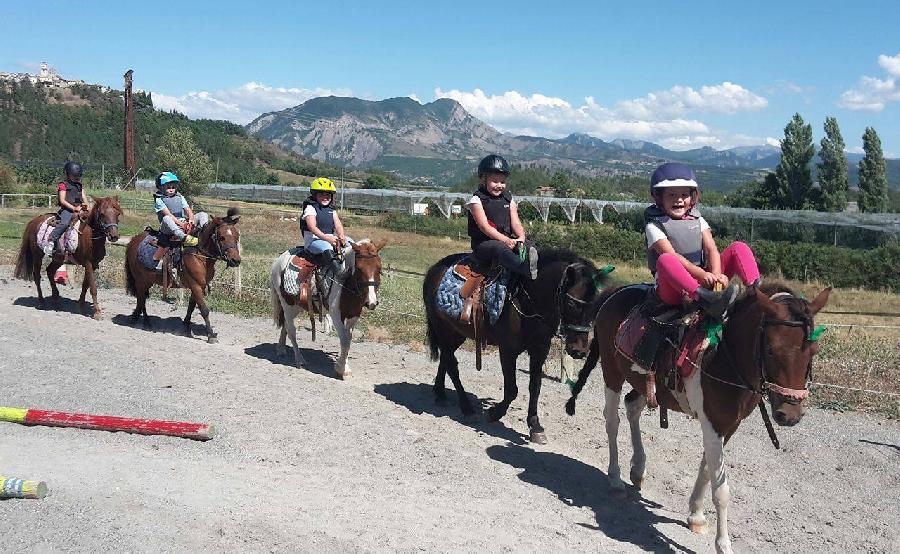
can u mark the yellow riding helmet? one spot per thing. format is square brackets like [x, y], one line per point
[322, 184]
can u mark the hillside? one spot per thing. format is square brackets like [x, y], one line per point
[42, 127]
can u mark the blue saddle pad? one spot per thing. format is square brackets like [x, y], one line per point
[451, 303]
[146, 250]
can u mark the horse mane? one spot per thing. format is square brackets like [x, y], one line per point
[797, 306]
[551, 256]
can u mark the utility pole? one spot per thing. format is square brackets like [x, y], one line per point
[130, 172]
[342, 188]
[217, 171]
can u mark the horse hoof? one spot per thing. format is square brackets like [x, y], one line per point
[570, 406]
[345, 375]
[98, 316]
[698, 525]
[637, 480]
[212, 339]
[538, 437]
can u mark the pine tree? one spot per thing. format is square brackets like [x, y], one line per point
[793, 174]
[832, 171]
[873, 196]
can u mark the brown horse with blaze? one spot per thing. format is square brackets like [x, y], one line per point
[101, 224]
[766, 350]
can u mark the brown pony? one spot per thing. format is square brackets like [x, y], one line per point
[218, 240]
[766, 350]
[101, 224]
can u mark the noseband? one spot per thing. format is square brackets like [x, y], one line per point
[370, 282]
[104, 226]
[218, 243]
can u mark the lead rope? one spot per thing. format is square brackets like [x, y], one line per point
[768, 422]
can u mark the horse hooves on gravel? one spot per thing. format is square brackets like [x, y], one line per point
[698, 526]
[538, 437]
[212, 339]
[570, 406]
[97, 315]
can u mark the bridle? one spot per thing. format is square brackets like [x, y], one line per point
[104, 226]
[360, 284]
[218, 243]
[565, 327]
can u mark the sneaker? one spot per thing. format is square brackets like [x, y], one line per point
[715, 304]
[190, 240]
[533, 262]
[48, 249]
[159, 265]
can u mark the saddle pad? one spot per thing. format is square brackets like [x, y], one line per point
[297, 273]
[146, 250]
[69, 238]
[450, 301]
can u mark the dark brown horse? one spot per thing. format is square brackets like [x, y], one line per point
[218, 240]
[563, 298]
[766, 350]
[100, 225]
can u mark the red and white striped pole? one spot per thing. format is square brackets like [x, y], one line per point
[197, 431]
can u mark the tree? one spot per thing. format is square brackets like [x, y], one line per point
[873, 196]
[794, 178]
[179, 153]
[832, 171]
[376, 181]
[7, 179]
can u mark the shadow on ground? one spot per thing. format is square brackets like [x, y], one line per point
[317, 361]
[580, 485]
[65, 305]
[418, 398]
[169, 325]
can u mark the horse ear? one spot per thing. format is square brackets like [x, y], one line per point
[380, 244]
[233, 216]
[819, 301]
[766, 303]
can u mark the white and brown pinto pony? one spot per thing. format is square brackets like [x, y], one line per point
[348, 292]
[766, 350]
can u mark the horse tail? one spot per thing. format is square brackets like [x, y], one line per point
[25, 259]
[131, 254]
[274, 284]
[130, 286]
[428, 291]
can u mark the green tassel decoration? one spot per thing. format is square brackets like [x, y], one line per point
[817, 332]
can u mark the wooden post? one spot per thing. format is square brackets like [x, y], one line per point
[10, 487]
[237, 275]
[197, 431]
[129, 130]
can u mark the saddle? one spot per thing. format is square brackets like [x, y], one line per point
[666, 343]
[302, 281]
[69, 239]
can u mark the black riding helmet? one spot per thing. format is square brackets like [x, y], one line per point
[493, 164]
[73, 169]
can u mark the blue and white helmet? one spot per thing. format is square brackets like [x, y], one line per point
[672, 174]
[165, 178]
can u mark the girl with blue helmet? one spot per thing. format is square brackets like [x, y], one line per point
[176, 218]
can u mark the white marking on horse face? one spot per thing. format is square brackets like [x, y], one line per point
[371, 297]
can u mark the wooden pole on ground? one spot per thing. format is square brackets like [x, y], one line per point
[10, 487]
[196, 431]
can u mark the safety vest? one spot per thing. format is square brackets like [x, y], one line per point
[73, 192]
[497, 210]
[324, 217]
[683, 234]
[174, 204]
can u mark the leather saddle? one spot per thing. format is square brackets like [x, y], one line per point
[476, 276]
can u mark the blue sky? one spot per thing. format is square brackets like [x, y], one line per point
[682, 74]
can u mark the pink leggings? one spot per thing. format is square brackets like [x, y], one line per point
[674, 282]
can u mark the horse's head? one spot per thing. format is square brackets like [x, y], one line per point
[785, 350]
[367, 270]
[579, 298]
[105, 216]
[226, 238]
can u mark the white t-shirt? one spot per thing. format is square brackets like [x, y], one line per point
[476, 200]
[307, 236]
[654, 233]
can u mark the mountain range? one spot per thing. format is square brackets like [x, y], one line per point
[440, 142]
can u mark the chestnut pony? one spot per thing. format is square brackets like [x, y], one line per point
[101, 224]
[766, 349]
[219, 240]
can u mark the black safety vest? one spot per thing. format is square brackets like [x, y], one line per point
[684, 234]
[73, 192]
[497, 210]
[324, 217]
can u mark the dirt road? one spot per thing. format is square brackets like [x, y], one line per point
[307, 462]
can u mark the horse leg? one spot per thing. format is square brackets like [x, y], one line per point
[345, 346]
[537, 355]
[697, 519]
[343, 335]
[611, 415]
[450, 365]
[510, 390]
[51, 272]
[290, 330]
[197, 297]
[36, 276]
[589, 363]
[90, 279]
[187, 316]
[634, 407]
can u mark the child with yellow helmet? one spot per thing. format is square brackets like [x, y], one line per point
[323, 232]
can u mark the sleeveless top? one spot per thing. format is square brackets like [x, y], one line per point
[324, 217]
[73, 192]
[175, 205]
[684, 234]
[496, 208]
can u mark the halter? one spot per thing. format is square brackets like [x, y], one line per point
[221, 252]
[571, 327]
[370, 282]
[103, 225]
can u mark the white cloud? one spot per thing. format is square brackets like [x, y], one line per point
[662, 117]
[855, 150]
[414, 97]
[872, 94]
[240, 104]
[771, 141]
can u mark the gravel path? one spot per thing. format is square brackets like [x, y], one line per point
[307, 462]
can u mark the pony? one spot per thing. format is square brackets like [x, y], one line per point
[766, 350]
[563, 298]
[355, 287]
[101, 224]
[219, 240]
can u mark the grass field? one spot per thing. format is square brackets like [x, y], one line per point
[853, 355]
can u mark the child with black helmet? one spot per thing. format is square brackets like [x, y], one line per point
[323, 232]
[494, 225]
[70, 196]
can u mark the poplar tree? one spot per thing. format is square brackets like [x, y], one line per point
[793, 174]
[832, 171]
[873, 196]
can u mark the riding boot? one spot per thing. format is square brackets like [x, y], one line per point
[715, 304]
[330, 261]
